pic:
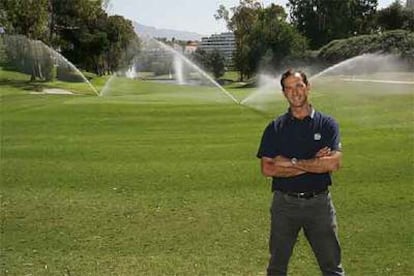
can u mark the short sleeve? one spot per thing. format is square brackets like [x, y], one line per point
[334, 137]
[268, 144]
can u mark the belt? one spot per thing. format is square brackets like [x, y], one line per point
[306, 195]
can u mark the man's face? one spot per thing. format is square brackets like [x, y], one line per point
[296, 91]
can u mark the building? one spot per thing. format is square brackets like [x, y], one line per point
[410, 4]
[225, 43]
[190, 47]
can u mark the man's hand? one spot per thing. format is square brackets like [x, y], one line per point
[325, 160]
[326, 151]
[279, 166]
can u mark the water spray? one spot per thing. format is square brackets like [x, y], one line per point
[198, 69]
[73, 67]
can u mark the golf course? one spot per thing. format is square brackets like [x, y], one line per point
[160, 179]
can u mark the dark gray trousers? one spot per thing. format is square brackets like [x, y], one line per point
[317, 217]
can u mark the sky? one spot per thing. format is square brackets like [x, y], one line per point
[185, 15]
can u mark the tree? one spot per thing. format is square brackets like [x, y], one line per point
[28, 56]
[363, 16]
[200, 57]
[395, 17]
[216, 64]
[267, 40]
[73, 30]
[273, 41]
[4, 22]
[408, 19]
[81, 30]
[213, 61]
[106, 4]
[124, 43]
[324, 20]
[243, 17]
[20, 17]
[92, 39]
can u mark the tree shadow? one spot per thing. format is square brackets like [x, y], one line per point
[24, 84]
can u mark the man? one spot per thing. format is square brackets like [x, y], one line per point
[299, 150]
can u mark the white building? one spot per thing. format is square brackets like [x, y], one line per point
[410, 4]
[225, 43]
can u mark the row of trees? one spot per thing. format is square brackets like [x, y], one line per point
[395, 17]
[322, 21]
[265, 38]
[81, 30]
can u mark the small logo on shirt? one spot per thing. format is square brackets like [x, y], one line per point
[317, 136]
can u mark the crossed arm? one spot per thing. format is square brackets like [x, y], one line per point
[324, 161]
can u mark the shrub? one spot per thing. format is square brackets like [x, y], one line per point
[397, 42]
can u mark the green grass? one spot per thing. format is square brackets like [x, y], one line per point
[156, 179]
[231, 75]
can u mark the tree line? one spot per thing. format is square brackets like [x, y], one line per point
[266, 38]
[80, 30]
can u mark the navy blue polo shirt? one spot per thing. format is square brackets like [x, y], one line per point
[302, 139]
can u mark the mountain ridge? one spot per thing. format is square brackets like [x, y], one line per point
[149, 31]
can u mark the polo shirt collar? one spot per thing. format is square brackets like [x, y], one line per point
[311, 115]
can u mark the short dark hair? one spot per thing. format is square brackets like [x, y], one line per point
[291, 72]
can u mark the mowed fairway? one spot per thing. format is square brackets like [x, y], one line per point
[158, 183]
